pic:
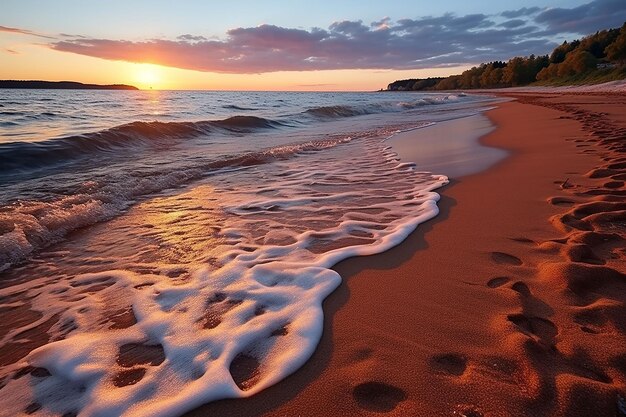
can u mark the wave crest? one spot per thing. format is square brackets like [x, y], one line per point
[336, 111]
[23, 156]
[28, 226]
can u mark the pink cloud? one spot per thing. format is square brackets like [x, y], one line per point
[426, 42]
[268, 48]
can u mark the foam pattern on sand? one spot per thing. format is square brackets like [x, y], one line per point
[210, 293]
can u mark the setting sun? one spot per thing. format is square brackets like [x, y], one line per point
[147, 76]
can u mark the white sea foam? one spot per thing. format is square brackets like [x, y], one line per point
[26, 226]
[214, 292]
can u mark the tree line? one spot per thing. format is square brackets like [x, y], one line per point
[598, 57]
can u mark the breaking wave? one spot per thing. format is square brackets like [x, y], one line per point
[27, 226]
[21, 156]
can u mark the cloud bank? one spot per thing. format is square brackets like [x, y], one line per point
[426, 42]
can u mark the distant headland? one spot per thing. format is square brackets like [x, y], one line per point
[62, 85]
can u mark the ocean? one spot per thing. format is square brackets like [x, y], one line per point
[163, 249]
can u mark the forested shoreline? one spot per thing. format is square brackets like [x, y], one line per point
[595, 58]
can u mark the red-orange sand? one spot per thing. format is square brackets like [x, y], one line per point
[511, 302]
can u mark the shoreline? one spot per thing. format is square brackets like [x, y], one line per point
[417, 331]
[451, 147]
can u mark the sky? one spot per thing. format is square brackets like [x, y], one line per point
[279, 45]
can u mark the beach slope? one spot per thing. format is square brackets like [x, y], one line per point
[509, 303]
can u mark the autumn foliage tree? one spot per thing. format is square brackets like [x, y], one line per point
[569, 59]
[616, 51]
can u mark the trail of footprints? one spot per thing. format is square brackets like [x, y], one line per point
[529, 321]
[595, 230]
[593, 293]
[595, 233]
[378, 396]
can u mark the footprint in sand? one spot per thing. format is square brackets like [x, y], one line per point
[579, 252]
[449, 363]
[561, 201]
[522, 239]
[32, 370]
[128, 377]
[613, 184]
[216, 307]
[542, 328]
[131, 356]
[497, 282]
[122, 318]
[521, 288]
[245, 371]
[378, 396]
[505, 258]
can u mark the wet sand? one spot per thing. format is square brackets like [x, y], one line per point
[451, 147]
[511, 302]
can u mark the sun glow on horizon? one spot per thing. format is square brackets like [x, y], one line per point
[25, 63]
[64, 66]
[148, 76]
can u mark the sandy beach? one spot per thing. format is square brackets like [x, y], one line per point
[509, 303]
[210, 210]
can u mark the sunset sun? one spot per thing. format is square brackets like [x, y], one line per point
[147, 76]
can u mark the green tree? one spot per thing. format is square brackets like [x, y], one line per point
[540, 63]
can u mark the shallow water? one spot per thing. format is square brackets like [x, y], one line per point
[150, 267]
[452, 146]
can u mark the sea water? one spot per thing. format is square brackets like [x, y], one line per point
[162, 249]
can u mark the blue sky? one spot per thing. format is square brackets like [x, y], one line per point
[128, 19]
